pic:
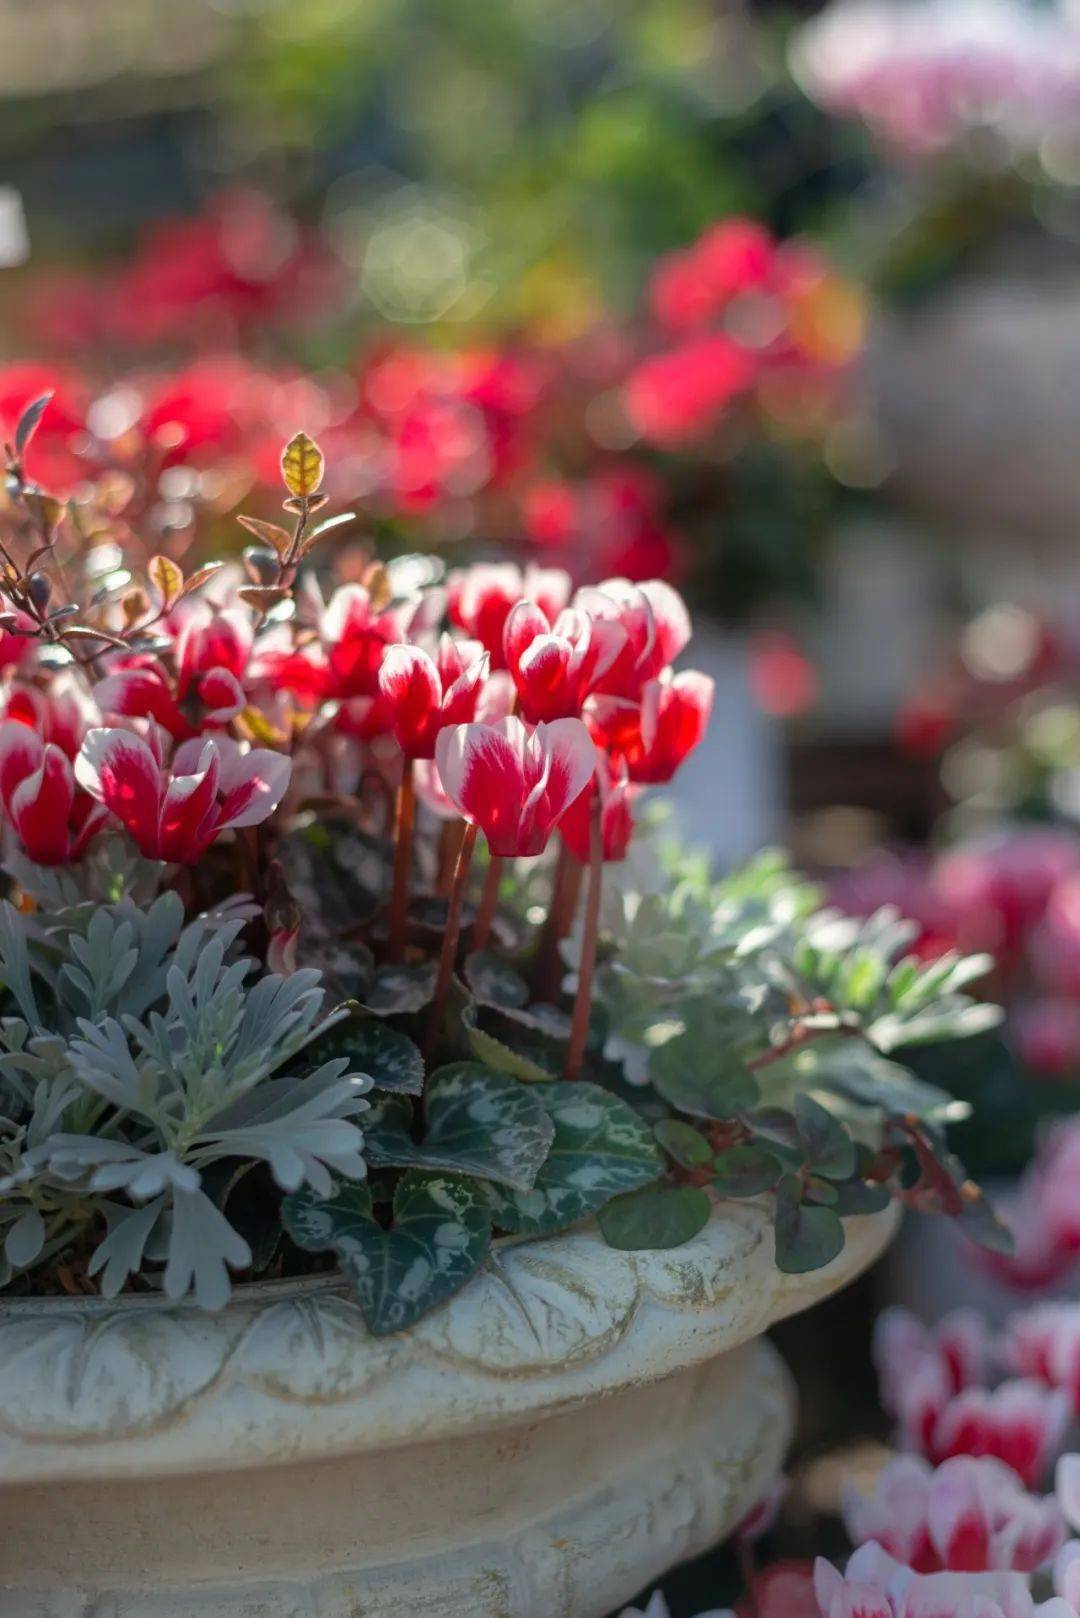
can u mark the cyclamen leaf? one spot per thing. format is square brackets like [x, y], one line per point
[390, 1058]
[601, 1148]
[478, 1123]
[439, 1237]
[519, 1063]
[807, 1238]
[398, 990]
[668, 1216]
[493, 982]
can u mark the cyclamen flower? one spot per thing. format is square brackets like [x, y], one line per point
[1020, 1422]
[616, 821]
[515, 784]
[480, 599]
[555, 665]
[421, 697]
[176, 814]
[875, 1586]
[655, 625]
[212, 652]
[970, 1515]
[52, 819]
[658, 735]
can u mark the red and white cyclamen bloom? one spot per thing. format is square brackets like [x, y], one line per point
[52, 819]
[421, 697]
[555, 665]
[175, 814]
[515, 784]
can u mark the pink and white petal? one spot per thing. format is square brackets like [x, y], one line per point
[222, 695]
[671, 619]
[573, 762]
[141, 693]
[256, 785]
[119, 769]
[1067, 1572]
[958, 1515]
[1067, 1487]
[462, 697]
[828, 1582]
[40, 808]
[481, 772]
[21, 751]
[524, 623]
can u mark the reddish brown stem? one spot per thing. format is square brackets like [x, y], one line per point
[488, 901]
[579, 1026]
[449, 848]
[562, 907]
[399, 893]
[448, 953]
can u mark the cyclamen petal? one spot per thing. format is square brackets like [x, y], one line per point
[119, 769]
[514, 785]
[252, 786]
[21, 751]
[41, 807]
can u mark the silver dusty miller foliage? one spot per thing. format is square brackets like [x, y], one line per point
[143, 1053]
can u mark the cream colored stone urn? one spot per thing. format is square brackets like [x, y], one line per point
[561, 1433]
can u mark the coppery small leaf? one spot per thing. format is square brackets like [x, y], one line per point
[29, 420]
[135, 605]
[167, 577]
[378, 586]
[84, 632]
[302, 466]
[45, 509]
[322, 529]
[39, 589]
[200, 576]
[262, 597]
[271, 533]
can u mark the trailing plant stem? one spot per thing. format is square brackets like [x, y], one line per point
[448, 953]
[579, 1027]
[403, 830]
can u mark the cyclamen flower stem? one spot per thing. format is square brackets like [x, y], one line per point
[399, 893]
[579, 1026]
[488, 901]
[449, 848]
[748, 1574]
[565, 888]
[448, 953]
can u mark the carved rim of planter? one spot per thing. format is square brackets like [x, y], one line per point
[288, 1371]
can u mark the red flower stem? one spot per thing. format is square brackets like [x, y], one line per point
[562, 907]
[448, 953]
[399, 893]
[488, 902]
[579, 1026]
[449, 849]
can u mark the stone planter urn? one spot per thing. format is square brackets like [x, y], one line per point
[567, 1428]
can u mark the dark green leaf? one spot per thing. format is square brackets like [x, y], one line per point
[533, 1063]
[601, 1148]
[438, 1240]
[829, 1149]
[746, 1171]
[861, 1197]
[478, 1123]
[667, 1216]
[700, 1081]
[493, 981]
[683, 1143]
[852, 1068]
[401, 989]
[807, 1238]
[389, 1057]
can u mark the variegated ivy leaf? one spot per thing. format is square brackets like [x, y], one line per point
[439, 1237]
[390, 1058]
[601, 1148]
[478, 1123]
